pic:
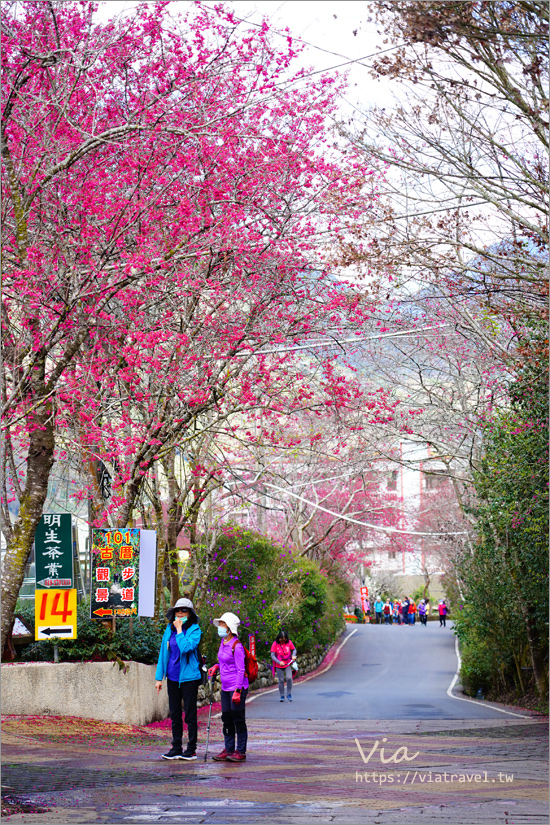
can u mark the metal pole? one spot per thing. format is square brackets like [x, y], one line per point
[209, 718]
[78, 565]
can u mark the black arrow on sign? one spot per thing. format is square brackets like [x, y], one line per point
[57, 630]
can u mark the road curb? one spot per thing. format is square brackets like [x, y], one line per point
[322, 667]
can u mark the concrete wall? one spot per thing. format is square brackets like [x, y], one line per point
[90, 690]
[101, 690]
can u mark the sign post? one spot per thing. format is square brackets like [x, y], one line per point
[53, 551]
[55, 614]
[54, 596]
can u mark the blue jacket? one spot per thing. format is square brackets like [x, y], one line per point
[187, 642]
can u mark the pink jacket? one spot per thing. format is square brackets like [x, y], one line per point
[283, 653]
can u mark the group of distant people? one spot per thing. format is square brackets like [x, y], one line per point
[406, 611]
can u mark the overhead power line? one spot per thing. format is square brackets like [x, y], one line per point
[362, 523]
[332, 343]
[348, 60]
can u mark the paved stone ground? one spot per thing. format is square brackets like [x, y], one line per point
[460, 772]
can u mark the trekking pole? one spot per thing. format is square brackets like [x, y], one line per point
[209, 718]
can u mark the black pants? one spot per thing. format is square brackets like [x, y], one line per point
[378, 618]
[442, 620]
[185, 692]
[233, 720]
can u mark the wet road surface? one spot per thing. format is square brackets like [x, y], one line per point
[375, 739]
[382, 672]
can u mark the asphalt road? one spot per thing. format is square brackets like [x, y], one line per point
[382, 672]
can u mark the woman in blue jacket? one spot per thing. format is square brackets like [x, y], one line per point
[179, 662]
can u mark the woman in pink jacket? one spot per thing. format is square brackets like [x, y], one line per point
[283, 655]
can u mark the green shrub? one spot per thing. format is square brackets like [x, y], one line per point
[269, 587]
[504, 580]
[477, 667]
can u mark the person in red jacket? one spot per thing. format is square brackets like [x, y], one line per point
[400, 612]
[442, 607]
[412, 611]
[283, 656]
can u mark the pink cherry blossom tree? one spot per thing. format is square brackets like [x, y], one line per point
[169, 189]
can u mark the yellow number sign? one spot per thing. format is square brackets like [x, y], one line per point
[55, 614]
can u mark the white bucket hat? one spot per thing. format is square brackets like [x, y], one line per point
[231, 621]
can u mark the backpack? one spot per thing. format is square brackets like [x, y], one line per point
[250, 662]
[387, 609]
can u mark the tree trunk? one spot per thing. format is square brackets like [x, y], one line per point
[160, 585]
[540, 671]
[125, 512]
[427, 582]
[517, 662]
[173, 568]
[168, 575]
[40, 459]
[172, 519]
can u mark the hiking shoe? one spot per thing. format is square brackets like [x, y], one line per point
[236, 757]
[289, 697]
[173, 753]
[188, 754]
[282, 699]
[221, 757]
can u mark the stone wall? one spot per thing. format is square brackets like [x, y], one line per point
[306, 663]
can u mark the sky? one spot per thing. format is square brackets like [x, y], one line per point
[335, 33]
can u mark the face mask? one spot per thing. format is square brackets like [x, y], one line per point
[222, 631]
[184, 619]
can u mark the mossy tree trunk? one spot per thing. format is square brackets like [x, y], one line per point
[40, 459]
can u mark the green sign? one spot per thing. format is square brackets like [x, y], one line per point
[53, 551]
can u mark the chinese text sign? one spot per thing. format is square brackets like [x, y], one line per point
[114, 571]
